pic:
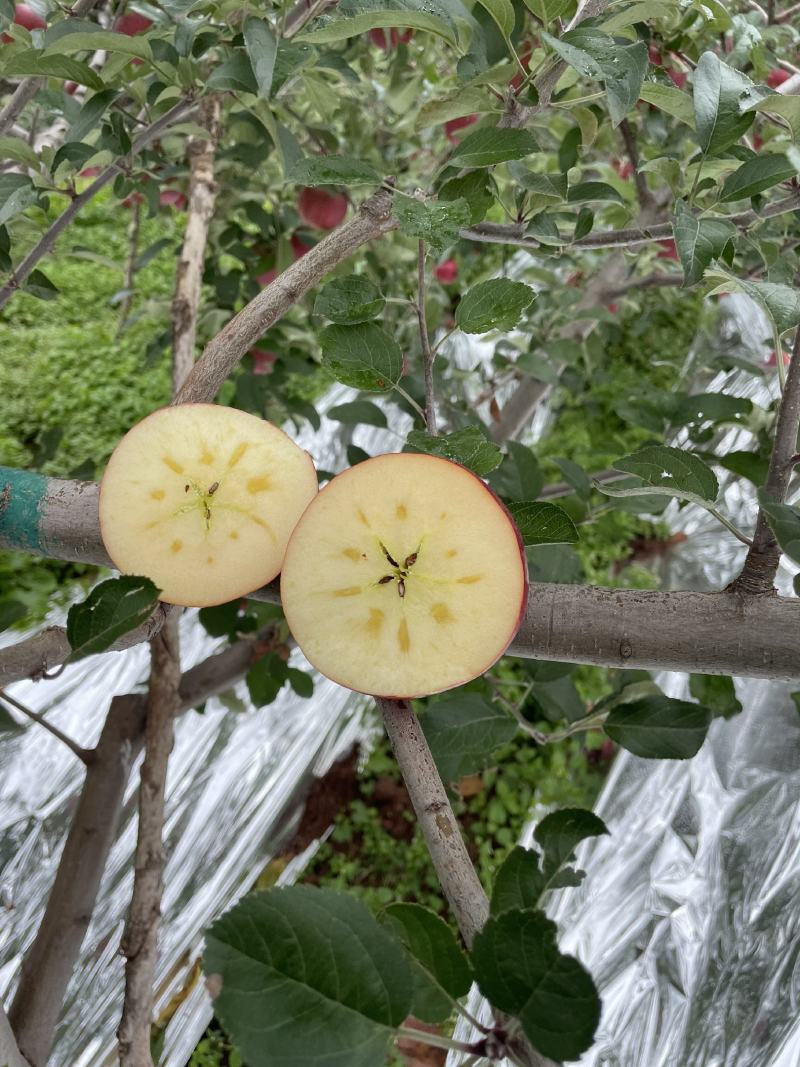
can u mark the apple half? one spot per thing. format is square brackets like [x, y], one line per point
[202, 499]
[405, 576]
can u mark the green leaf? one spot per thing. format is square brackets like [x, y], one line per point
[354, 17]
[90, 114]
[349, 300]
[755, 176]
[357, 412]
[113, 608]
[14, 148]
[502, 11]
[784, 522]
[597, 55]
[575, 476]
[718, 92]
[669, 99]
[106, 40]
[542, 523]
[548, 188]
[781, 302]
[468, 101]
[473, 187]
[749, 465]
[435, 223]
[672, 469]
[220, 620]
[715, 692]
[40, 286]
[485, 147]
[520, 477]
[302, 953]
[641, 11]
[470, 447]
[463, 731]
[520, 970]
[265, 679]
[235, 74]
[16, 196]
[301, 682]
[560, 833]
[519, 883]
[496, 304]
[332, 170]
[262, 49]
[35, 63]
[433, 945]
[698, 241]
[11, 611]
[785, 106]
[657, 727]
[593, 191]
[363, 356]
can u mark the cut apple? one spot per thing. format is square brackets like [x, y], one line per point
[405, 576]
[202, 499]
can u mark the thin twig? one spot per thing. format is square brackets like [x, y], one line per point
[427, 355]
[629, 137]
[130, 266]
[789, 13]
[140, 940]
[763, 558]
[83, 754]
[48, 240]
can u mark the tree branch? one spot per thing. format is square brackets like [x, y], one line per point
[189, 280]
[83, 754]
[48, 240]
[454, 868]
[221, 355]
[140, 940]
[629, 137]
[425, 343]
[761, 564]
[514, 233]
[10, 1056]
[48, 964]
[130, 266]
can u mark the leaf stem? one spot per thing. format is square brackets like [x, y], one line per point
[435, 1040]
[410, 399]
[737, 533]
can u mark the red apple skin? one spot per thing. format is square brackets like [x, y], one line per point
[447, 272]
[266, 278]
[668, 249]
[134, 198]
[777, 76]
[132, 24]
[320, 209]
[654, 54]
[525, 582]
[388, 40]
[613, 308]
[299, 247]
[771, 360]
[624, 168]
[70, 88]
[263, 361]
[678, 77]
[89, 172]
[453, 125]
[27, 18]
[525, 59]
[172, 198]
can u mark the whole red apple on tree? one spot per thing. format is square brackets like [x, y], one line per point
[447, 272]
[321, 209]
[27, 18]
[172, 198]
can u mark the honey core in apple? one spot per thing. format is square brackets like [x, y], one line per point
[405, 576]
[202, 499]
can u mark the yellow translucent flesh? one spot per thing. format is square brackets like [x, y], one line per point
[463, 594]
[199, 546]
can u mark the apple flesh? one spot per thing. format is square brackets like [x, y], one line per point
[405, 576]
[202, 499]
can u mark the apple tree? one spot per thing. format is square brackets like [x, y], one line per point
[448, 208]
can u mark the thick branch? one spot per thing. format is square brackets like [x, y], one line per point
[48, 240]
[425, 343]
[761, 564]
[140, 940]
[221, 355]
[49, 963]
[202, 197]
